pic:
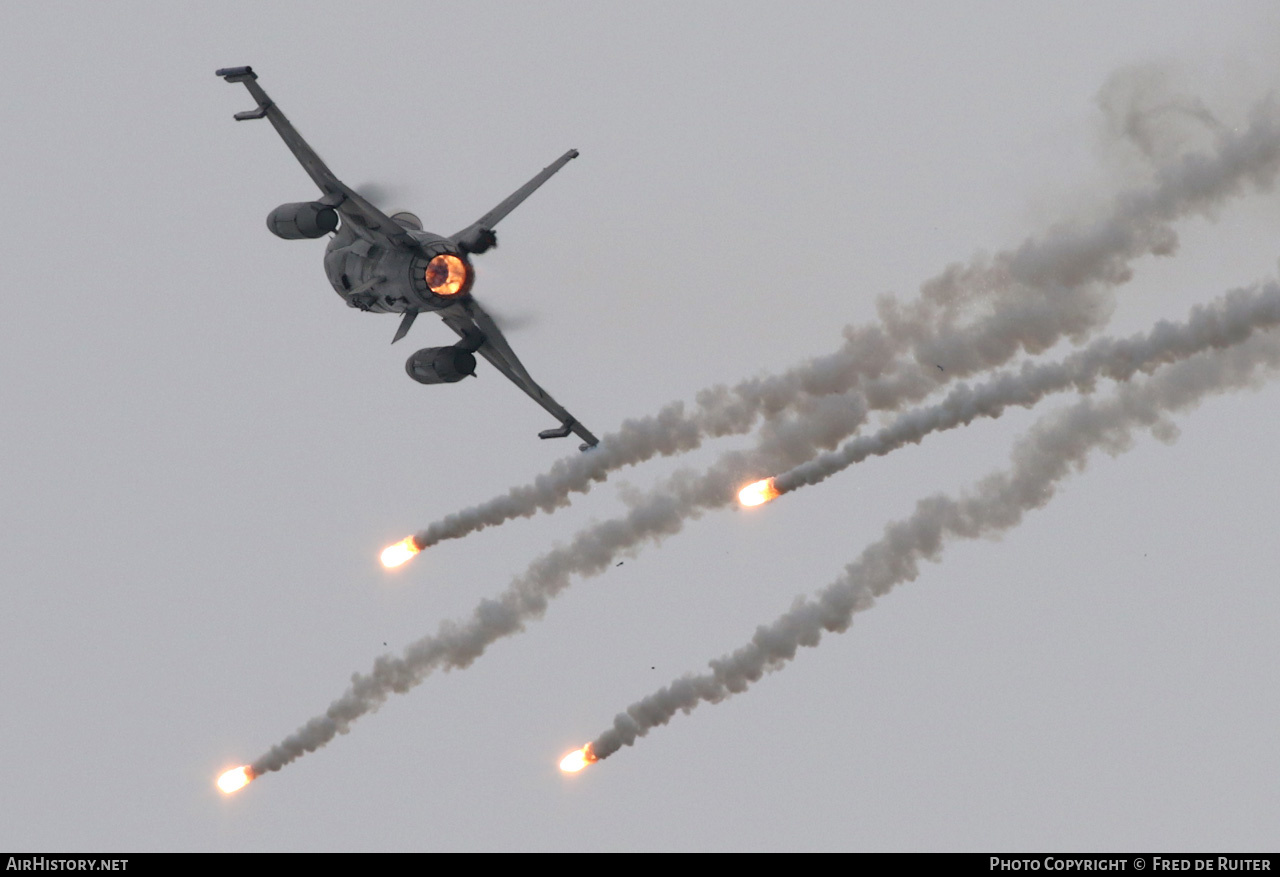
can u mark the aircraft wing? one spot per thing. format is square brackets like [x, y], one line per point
[478, 236]
[476, 327]
[368, 221]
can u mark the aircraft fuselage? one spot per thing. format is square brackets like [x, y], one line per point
[389, 279]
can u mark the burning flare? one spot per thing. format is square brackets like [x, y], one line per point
[394, 555]
[758, 493]
[578, 759]
[235, 779]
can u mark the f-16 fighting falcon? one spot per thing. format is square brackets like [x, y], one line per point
[388, 264]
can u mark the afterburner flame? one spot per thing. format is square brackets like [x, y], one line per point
[758, 493]
[578, 759]
[235, 779]
[394, 555]
[446, 275]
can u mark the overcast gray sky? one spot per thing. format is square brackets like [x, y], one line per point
[204, 449]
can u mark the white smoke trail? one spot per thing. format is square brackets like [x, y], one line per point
[1143, 106]
[1054, 448]
[1220, 324]
[663, 512]
[1023, 299]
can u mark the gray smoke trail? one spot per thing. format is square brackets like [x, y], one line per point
[1026, 299]
[1055, 447]
[1142, 106]
[457, 645]
[686, 495]
[1218, 325]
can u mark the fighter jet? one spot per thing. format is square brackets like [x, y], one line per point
[388, 264]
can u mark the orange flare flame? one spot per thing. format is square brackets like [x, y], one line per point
[235, 779]
[394, 555]
[758, 493]
[578, 759]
